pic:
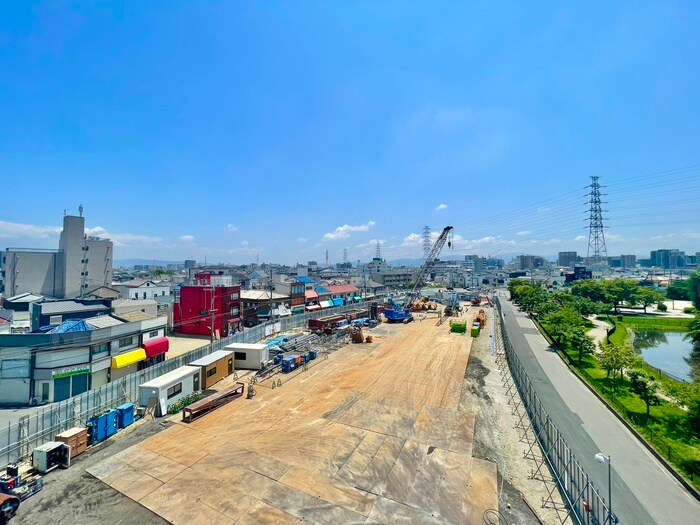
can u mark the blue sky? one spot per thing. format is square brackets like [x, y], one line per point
[236, 130]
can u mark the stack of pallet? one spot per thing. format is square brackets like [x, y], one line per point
[76, 438]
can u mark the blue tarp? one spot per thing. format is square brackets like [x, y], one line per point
[338, 302]
[321, 289]
[305, 280]
[71, 325]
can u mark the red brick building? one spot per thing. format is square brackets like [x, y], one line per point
[200, 304]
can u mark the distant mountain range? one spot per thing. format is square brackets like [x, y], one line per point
[507, 257]
[130, 263]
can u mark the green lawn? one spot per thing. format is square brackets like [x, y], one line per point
[666, 429]
[651, 322]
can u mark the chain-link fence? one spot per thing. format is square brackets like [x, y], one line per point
[19, 438]
[585, 504]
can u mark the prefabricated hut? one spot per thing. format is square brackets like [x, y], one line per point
[251, 356]
[215, 366]
[170, 388]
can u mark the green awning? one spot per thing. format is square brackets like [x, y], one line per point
[357, 298]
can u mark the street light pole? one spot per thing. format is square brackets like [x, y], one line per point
[604, 458]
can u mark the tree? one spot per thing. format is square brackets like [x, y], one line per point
[582, 343]
[646, 388]
[694, 330]
[616, 359]
[594, 290]
[621, 291]
[693, 285]
[693, 416]
[646, 297]
[678, 291]
[562, 325]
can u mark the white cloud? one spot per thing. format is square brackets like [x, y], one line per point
[542, 210]
[441, 207]
[580, 238]
[16, 230]
[525, 232]
[97, 231]
[126, 239]
[343, 232]
[245, 250]
[187, 238]
[245, 243]
[232, 227]
[302, 239]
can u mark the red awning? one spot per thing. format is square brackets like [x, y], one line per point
[313, 307]
[311, 294]
[156, 347]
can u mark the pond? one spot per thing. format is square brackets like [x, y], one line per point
[669, 352]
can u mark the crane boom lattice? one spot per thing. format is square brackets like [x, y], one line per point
[432, 255]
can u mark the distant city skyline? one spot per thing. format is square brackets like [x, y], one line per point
[243, 132]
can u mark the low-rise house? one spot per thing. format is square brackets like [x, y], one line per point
[342, 294]
[256, 302]
[142, 289]
[63, 360]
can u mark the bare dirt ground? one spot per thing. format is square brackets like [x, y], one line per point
[372, 434]
[397, 431]
[496, 438]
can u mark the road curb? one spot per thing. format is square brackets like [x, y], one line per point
[671, 469]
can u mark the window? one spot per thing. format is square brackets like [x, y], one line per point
[154, 333]
[234, 312]
[211, 372]
[241, 356]
[144, 295]
[174, 390]
[100, 349]
[126, 341]
[234, 296]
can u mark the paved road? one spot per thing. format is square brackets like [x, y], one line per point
[643, 492]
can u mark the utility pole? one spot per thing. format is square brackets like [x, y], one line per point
[211, 312]
[272, 317]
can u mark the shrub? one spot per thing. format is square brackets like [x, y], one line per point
[619, 318]
[688, 310]
[661, 307]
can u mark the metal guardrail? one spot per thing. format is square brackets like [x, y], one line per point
[585, 504]
[19, 438]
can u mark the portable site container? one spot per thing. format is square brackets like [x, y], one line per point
[125, 415]
[215, 366]
[51, 455]
[249, 355]
[169, 388]
[102, 426]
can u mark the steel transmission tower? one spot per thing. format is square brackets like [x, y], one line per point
[427, 245]
[597, 258]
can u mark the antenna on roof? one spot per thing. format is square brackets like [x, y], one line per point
[80, 210]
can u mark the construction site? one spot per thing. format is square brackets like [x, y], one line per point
[358, 419]
[371, 434]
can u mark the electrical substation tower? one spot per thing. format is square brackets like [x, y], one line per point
[597, 257]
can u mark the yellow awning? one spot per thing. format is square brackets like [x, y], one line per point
[128, 358]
